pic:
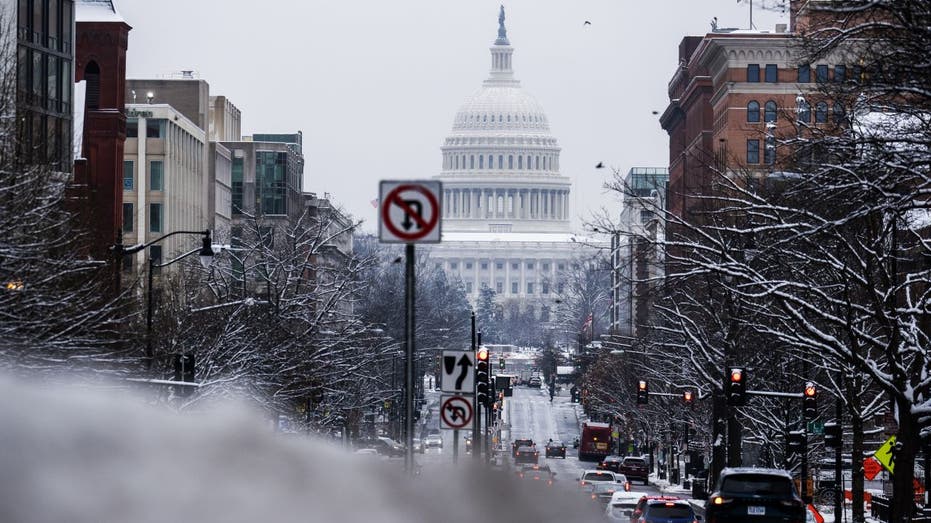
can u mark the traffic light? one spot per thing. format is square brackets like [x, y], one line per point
[832, 434]
[643, 392]
[482, 391]
[810, 401]
[736, 386]
[688, 397]
[797, 442]
[501, 363]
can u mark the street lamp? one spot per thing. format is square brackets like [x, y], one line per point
[206, 259]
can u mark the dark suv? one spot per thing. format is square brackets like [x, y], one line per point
[760, 495]
[635, 468]
[518, 443]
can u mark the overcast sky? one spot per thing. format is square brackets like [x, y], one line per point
[374, 85]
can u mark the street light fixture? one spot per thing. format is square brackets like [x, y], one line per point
[206, 259]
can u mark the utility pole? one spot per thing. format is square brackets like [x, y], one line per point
[477, 409]
[409, 331]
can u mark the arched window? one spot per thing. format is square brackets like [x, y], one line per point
[753, 111]
[804, 111]
[510, 161]
[500, 161]
[821, 112]
[769, 113]
[484, 117]
[481, 161]
[92, 90]
[520, 162]
[471, 161]
[457, 162]
[538, 162]
[529, 163]
[509, 118]
[491, 162]
[839, 114]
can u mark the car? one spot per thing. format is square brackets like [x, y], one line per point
[635, 468]
[535, 382]
[366, 452]
[759, 495]
[468, 441]
[621, 506]
[587, 477]
[603, 491]
[668, 511]
[517, 443]
[642, 503]
[433, 440]
[418, 446]
[555, 448]
[612, 463]
[383, 445]
[526, 454]
[541, 473]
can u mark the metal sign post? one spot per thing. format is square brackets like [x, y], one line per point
[410, 213]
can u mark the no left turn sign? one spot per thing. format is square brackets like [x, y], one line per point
[409, 211]
[455, 412]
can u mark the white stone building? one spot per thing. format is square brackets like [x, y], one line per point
[506, 214]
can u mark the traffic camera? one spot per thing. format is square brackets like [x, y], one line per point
[832, 434]
[736, 386]
[643, 392]
[810, 401]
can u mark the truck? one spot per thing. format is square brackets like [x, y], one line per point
[595, 442]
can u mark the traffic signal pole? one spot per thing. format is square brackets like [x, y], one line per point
[476, 408]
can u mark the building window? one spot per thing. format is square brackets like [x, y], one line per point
[499, 287]
[484, 266]
[804, 111]
[561, 266]
[515, 266]
[753, 73]
[520, 161]
[127, 217]
[128, 175]
[156, 175]
[468, 287]
[753, 111]
[530, 265]
[855, 72]
[453, 265]
[513, 287]
[271, 168]
[769, 154]
[529, 287]
[821, 73]
[821, 112]
[468, 265]
[645, 215]
[132, 128]
[155, 217]
[753, 151]
[500, 161]
[481, 161]
[769, 112]
[771, 73]
[499, 266]
[840, 73]
[546, 287]
[804, 74]
[546, 266]
[510, 161]
[236, 184]
[839, 113]
[560, 287]
[471, 161]
[155, 128]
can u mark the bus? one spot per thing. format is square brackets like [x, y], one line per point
[595, 442]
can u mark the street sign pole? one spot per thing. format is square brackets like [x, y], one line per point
[409, 285]
[838, 462]
[455, 446]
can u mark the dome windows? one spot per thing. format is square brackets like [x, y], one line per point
[481, 161]
[520, 162]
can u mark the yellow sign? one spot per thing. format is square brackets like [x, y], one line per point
[885, 456]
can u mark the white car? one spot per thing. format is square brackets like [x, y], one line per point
[622, 505]
[433, 440]
[587, 477]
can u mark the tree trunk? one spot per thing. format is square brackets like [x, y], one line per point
[906, 449]
[717, 437]
[856, 461]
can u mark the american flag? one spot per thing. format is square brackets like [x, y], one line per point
[588, 322]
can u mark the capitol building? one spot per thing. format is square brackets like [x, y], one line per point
[506, 213]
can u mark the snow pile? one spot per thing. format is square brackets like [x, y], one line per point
[75, 455]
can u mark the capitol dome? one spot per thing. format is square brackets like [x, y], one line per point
[500, 161]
